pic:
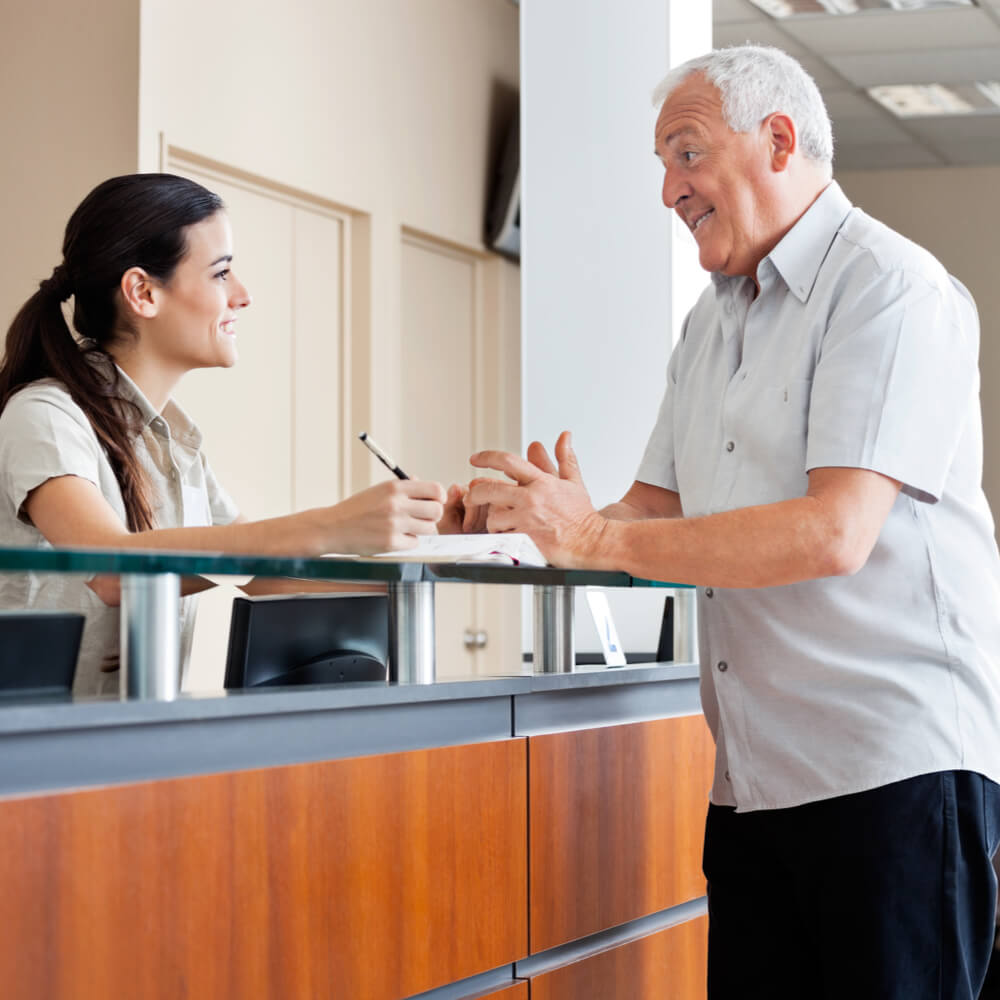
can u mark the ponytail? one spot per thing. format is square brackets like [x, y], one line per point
[139, 220]
[40, 345]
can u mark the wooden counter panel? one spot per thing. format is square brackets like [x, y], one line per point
[669, 963]
[617, 817]
[375, 877]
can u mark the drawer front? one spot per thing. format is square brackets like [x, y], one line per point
[669, 963]
[375, 877]
[617, 817]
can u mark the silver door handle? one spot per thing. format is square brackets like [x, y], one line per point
[474, 638]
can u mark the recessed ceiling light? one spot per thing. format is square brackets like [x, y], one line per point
[797, 8]
[931, 99]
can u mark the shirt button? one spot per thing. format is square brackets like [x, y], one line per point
[727, 777]
[709, 592]
[723, 666]
[730, 445]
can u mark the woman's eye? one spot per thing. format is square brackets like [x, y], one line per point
[223, 274]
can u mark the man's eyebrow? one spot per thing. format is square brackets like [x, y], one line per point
[224, 259]
[678, 133]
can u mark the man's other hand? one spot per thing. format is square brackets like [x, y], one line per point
[546, 500]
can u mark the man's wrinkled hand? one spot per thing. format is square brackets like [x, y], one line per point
[546, 500]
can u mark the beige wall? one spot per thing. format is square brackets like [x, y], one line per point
[69, 76]
[388, 108]
[955, 213]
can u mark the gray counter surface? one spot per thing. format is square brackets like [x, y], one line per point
[50, 744]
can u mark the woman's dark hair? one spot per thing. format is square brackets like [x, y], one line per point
[139, 220]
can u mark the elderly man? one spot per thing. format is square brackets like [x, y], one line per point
[815, 470]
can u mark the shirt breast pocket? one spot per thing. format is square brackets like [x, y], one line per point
[779, 431]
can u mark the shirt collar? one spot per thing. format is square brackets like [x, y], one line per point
[180, 426]
[802, 250]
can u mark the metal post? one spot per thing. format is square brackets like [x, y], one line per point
[685, 627]
[150, 636]
[553, 624]
[411, 632]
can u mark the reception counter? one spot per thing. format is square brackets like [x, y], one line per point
[533, 836]
[526, 836]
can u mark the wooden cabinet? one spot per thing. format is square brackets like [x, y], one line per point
[666, 964]
[617, 817]
[370, 878]
[373, 877]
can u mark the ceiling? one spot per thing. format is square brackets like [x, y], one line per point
[846, 54]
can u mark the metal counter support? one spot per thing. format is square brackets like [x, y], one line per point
[553, 626]
[150, 636]
[685, 627]
[411, 633]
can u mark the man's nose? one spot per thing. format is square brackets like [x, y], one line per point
[674, 189]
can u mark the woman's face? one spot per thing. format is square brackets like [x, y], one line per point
[195, 321]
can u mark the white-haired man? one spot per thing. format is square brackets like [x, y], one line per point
[815, 470]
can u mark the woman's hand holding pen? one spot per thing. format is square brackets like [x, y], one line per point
[384, 517]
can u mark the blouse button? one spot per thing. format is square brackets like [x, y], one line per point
[730, 445]
[709, 592]
[723, 666]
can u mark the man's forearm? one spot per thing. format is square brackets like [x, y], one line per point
[622, 511]
[764, 546]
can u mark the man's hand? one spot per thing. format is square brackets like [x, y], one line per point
[461, 516]
[546, 501]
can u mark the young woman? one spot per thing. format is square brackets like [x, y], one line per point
[93, 450]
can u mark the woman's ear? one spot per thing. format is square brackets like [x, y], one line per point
[783, 139]
[139, 296]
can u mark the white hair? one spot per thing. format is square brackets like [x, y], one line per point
[755, 81]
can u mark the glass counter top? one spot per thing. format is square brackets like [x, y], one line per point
[340, 568]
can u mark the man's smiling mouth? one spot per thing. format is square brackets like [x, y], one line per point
[701, 218]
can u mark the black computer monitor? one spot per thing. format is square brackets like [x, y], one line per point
[38, 651]
[307, 639]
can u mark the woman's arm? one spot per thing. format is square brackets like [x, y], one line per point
[69, 510]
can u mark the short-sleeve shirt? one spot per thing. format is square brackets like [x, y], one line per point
[859, 351]
[44, 435]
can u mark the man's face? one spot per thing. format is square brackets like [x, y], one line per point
[715, 178]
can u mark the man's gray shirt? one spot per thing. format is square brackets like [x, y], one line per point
[859, 351]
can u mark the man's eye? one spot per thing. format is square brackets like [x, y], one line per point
[688, 155]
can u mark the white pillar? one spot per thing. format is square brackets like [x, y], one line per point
[604, 276]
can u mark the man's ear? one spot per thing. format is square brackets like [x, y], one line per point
[139, 293]
[783, 139]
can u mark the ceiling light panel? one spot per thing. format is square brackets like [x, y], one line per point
[919, 100]
[800, 8]
[928, 100]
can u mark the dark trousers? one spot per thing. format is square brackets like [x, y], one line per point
[884, 895]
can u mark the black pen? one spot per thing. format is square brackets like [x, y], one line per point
[382, 456]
